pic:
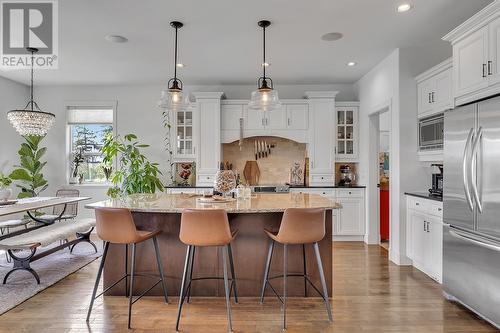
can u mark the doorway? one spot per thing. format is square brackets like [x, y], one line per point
[384, 178]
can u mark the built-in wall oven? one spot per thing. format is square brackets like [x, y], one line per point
[431, 133]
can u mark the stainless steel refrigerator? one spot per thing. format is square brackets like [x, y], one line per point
[471, 249]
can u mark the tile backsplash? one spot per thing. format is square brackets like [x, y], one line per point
[275, 168]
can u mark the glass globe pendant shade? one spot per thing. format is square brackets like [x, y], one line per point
[264, 100]
[172, 100]
[28, 122]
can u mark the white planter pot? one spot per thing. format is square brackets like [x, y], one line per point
[5, 193]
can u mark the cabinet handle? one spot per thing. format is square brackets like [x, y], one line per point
[425, 229]
[440, 209]
[262, 121]
[417, 204]
[289, 122]
[489, 67]
[484, 70]
[430, 98]
[428, 227]
[432, 95]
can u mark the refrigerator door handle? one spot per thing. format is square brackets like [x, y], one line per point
[473, 240]
[473, 168]
[465, 171]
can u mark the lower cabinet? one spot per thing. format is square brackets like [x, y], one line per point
[425, 236]
[348, 221]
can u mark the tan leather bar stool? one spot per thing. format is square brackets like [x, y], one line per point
[116, 226]
[299, 226]
[200, 228]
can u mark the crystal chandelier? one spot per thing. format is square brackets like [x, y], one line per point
[31, 120]
[265, 98]
[172, 99]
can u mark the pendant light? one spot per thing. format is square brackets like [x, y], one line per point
[172, 98]
[31, 120]
[265, 98]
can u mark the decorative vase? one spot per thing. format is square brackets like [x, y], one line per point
[5, 193]
[225, 181]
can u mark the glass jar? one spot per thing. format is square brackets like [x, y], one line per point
[225, 182]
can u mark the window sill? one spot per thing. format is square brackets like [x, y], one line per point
[90, 185]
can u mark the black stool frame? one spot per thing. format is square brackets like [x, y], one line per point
[185, 292]
[131, 275]
[282, 299]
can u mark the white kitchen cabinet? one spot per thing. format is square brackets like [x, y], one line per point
[346, 131]
[230, 116]
[184, 133]
[476, 55]
[208, 156]
[349, 220]
[435, 90]
[425, 235]
[321, 137]
[297, 116]
[470, 57]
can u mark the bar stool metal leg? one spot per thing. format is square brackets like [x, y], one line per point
[224, 250]
[193, 252]
[98, 278]
[160, 269]
[233, 275]
[323, 282]
[305, 268]
[266, 271]
[132, 272]
[183, 283]
[126, 270]
[284, 283]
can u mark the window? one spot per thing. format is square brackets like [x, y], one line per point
[87, 128]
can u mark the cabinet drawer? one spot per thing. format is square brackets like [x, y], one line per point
[205, 178]
[418, 204]
[350, 193]
[322, 179]
[435, 209]
[327, 192]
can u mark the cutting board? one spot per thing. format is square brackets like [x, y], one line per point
[251, 173]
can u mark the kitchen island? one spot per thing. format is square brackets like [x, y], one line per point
[250, 217]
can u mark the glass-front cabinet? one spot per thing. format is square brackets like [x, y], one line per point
[346, 132]
[184, 141]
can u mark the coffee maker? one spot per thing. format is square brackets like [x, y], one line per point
[347, 176]
[437, 181]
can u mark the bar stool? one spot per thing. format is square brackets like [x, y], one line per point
[299, 226]
[201, 228]
[116, 226]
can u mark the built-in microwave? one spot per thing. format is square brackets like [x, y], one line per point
[431, 133]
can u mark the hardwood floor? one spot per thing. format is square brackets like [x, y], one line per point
[370, 295]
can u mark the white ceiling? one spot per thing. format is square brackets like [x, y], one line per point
[221, 43]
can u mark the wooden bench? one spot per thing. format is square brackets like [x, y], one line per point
[34, 238]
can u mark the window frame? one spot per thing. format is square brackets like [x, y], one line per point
[111, 104]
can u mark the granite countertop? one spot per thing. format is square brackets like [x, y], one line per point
[291, 186]
[425, 195]
[175, 203]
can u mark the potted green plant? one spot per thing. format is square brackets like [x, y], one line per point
[134, 172]
[5, 190]
[28, 174]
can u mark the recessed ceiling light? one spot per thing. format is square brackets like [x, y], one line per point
[179, 65]
[404, 7]
[332, 36]
[265, 64]
[116, 39]
[351, 64]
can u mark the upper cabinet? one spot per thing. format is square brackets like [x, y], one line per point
[476, 51]
[291, 121]
[435, 93]
[346, 131]
[185, 133]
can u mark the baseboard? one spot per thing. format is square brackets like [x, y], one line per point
[339, 238]
[399, 260]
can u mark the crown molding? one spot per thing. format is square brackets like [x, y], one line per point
[321, 94]
[441, 67]
[208, 95]
[480, 19]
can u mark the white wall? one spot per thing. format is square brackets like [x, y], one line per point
[378, 90]
[13, 95]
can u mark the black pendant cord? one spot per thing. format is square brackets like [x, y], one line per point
[32, 74]
[264, 52]
[175, 55]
